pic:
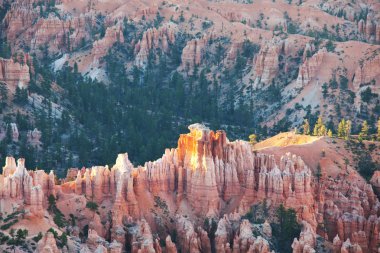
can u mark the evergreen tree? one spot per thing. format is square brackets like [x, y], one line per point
[3, 96]
[21, 96]
[378, 130]
[325, 90]
[348, 129]
[330, 46]
[363, 135]
[252, 139]
[5, 50]
[319, 128]
[286, 228]
[342, 129]
[316, 128]
[181, 17]
[219, 54]
[63, 239]
[319, 172]
[329, 133]
[323, 131]
[343, 82]
[239, 65]
[92, 206]
[306, 127]
[8, 136]
[75, 68]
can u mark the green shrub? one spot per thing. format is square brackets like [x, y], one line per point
[8, 225]
[59, 220]
[92, 206]
[37, 237]
[366, 166]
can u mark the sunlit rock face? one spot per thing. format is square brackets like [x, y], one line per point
[196, 152]
[209, 171]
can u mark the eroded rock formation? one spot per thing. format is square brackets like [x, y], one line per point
[112, 35]
[153, 39]
[309, 69]
[307, 241]
[351, 211]
[48, 244]
[18, 185]
[207, 176]
[267, 63]
[370, 27]
[193, 53]
[375, 182]
[23, 23]
[34, 137]
[367, 72]
[15, 73]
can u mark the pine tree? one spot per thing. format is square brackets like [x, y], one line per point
[8, 136]
[21, 96]
[342, 129]
[306, 127]
[3, 96]
[319, 128]
[364, 132]
[329, 133]
[319, 172]
[5, 50]
[325, 90]
[181, 17]
[252, 139]
[322, 130]
[286, 228]
[378, 130]
[75, 67]
[219, 53]
[348, 129]
[316, 130]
